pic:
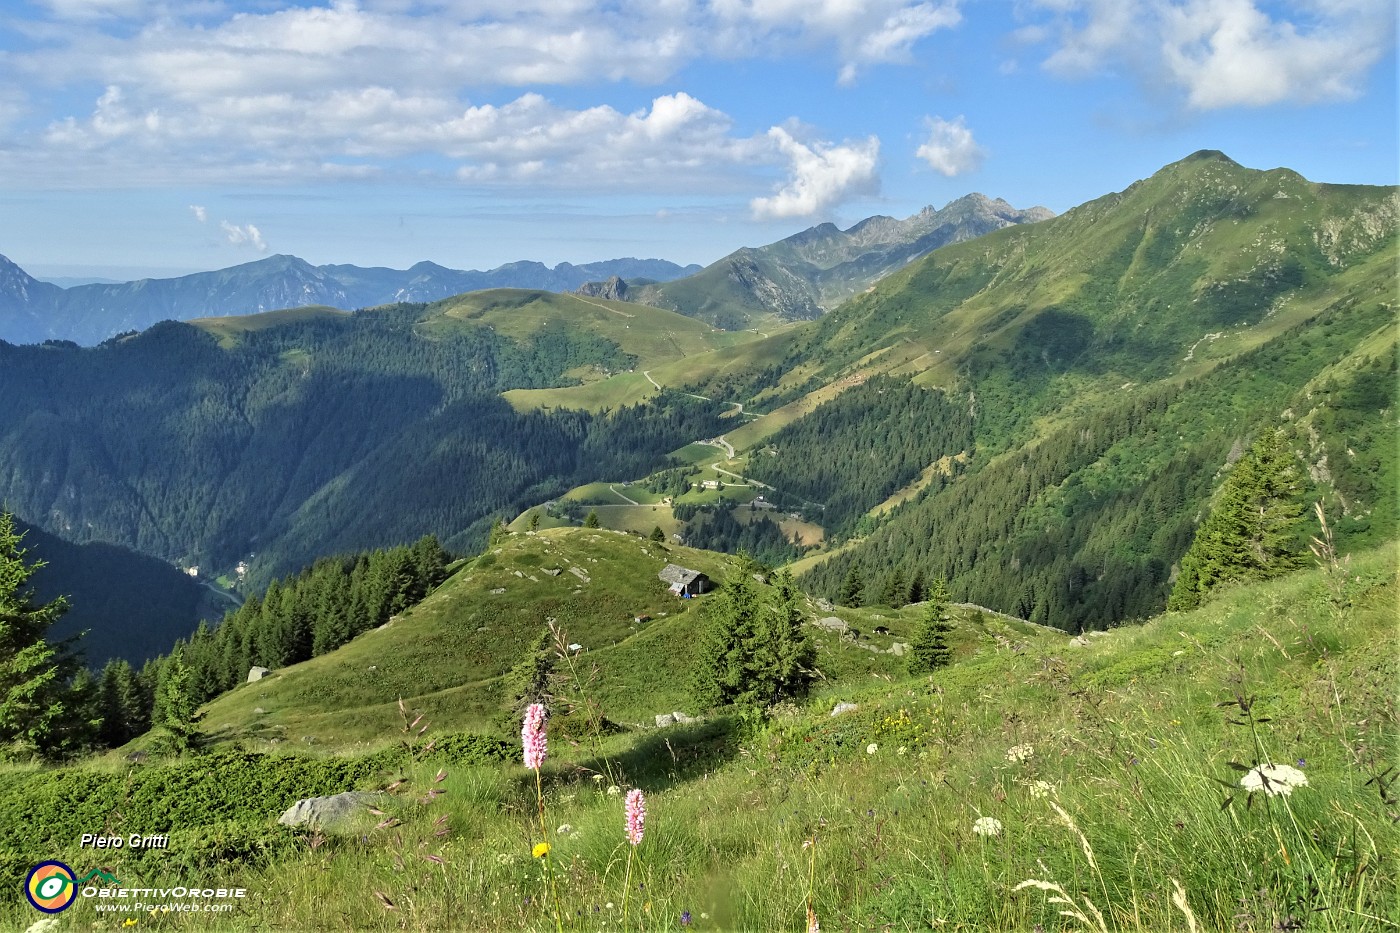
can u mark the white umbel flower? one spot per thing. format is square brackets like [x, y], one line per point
[1273, 780]
[987, 826]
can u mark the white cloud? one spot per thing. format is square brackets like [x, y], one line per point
[197, 92]
[200, 214]
[246, 234]
[821, 175]
[93, 9]
[1226, 53]
[676, 142]
[205, 91]
[950, 148]
[421, 45]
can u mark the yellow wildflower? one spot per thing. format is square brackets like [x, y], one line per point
[540, 850]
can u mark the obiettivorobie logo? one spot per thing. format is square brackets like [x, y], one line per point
[52, 886]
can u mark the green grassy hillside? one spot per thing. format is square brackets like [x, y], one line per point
[1110, 361]
[1108, 777]
[651, 335]
[1089, 379]
[445, 656]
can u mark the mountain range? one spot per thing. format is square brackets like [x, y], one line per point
[1052, 426]
[1039, 415]
[32, 311]
[808, 273]
[793, 279]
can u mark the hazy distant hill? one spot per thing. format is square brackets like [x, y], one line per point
[800, 277]
[32, 311]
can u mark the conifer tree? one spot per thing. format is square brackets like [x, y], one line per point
[175, 702]
[498, 531]
[929, 649]
[727, 643]
[918, 589]
[1251, 533]
[657, 535]
[784, 657]
[120, 705]
[430, 559]
[35, 702]
[851, 588]
[893, 591]
[753, 652]
[592, 520]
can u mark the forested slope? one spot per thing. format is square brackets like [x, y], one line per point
[324, 433]
[1111, 364]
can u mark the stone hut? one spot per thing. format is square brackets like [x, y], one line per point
[683, 581]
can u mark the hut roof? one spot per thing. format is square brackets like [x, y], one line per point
[676, 575]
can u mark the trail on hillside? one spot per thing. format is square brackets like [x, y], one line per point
[604, 307]
[623, 496]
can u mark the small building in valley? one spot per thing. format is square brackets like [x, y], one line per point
[683, 581]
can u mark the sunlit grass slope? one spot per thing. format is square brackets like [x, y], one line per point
[442, 655]
[650, 334]
[445, 656]
[229, 329]
[1116, 768]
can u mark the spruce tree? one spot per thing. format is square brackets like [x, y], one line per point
[35, 702]
[785, 657]
[498, 531]
[657, 535]
[753, 652]
[175, 702]
[120, 704]
[851, 588]
[929, 648]
[1251, 533]
[430, 559]
[592, 520]
[893, 591]
[918, 590]
[726, 643]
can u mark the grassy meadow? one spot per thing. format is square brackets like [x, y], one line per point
[1038, 782]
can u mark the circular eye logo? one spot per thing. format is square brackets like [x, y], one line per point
[51, 887]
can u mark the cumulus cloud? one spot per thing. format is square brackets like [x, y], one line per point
[343, 89]
[820, 176]
[188, 53]
[950, 148]
[245, 234]
[200, 214]
[674, 143]
[1225, 53]
[865, 32]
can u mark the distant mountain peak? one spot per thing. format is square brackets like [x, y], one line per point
[802, 275]
[1208, 155]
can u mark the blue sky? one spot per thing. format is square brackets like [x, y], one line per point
[150, 137]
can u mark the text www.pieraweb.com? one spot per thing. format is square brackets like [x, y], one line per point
[181, 900]
[185, 908]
